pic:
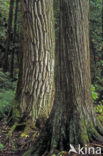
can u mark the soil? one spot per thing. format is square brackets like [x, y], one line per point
[15, 145]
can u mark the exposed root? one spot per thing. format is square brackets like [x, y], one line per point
[44, 142]
[94, 132]
[99, 127]
[26, 132]
[12, 129]
[29, 152]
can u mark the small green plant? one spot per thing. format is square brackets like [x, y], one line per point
[99, 109]
[99, 112]
[94, 93]
[7, 93]
[1, 147]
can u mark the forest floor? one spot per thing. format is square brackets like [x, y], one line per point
[19, 142]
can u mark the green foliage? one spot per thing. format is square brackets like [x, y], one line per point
[7, 92]
[4, 6]
[5, 81]
[94, 93]
[96, 46]
[5, 101]
[99, 109]
[100, 118]
[14, 44]
[1, 146]
[4, 11]
[99, 112]
[7, 87]
[96, 23]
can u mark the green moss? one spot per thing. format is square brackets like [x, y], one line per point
[100, 118]
[15, 111]
[11, 130]
[99, 109]
[92, 132]
[84, 134]
[28, 153]
[89, 132]
[25, 134]
[1, 147]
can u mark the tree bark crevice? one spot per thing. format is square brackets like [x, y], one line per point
[72, 119]
[35, 91]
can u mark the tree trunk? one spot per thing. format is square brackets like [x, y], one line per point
[102, 20]
[37, 92]
[93, 60]
[14, 37]
[72, 120]
[6, 63]
[102, 38]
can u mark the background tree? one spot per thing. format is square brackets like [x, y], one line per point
[6, 63]
[72, 120]
[3, 27]
[7, 88]
[8, 85]
[14, 40]
[96, 47]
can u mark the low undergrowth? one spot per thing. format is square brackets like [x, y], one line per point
[7, 93]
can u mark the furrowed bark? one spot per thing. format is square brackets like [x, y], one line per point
[72, 120]
[38, 88]
[10, 19]
[14, 39]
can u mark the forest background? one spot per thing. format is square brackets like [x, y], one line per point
[11, 54]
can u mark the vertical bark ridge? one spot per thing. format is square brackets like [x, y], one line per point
[8, 38]
[72, 119]
[38, 58]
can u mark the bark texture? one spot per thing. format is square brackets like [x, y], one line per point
[72, 120]
[37, 92]
[6, 63]
[14, 39]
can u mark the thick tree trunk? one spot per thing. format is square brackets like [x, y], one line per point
[6, 63]
[37, 92]
[72, 120]
[93, 60]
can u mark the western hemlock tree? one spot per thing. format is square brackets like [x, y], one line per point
[10, 19]
[72, 120]
[14, 39]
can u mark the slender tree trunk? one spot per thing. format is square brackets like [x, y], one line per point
[14, 37]
[72, 120]
[102, 19]
[37, 92]
[102, 36]
[6, 63]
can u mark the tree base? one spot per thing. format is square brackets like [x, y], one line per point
[49, 141]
